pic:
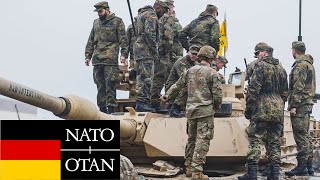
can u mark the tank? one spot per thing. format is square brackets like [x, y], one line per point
[147, 137]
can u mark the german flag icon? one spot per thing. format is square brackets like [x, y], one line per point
[30, 159]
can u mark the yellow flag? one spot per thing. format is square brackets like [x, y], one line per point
[223, 38]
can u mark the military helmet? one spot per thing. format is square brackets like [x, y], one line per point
[101, 5]
[207, 52]
[299, 45]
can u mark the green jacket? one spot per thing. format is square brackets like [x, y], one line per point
[302, 82]
[177, 70]
[267, 91]
[205, 30]
[105, 40]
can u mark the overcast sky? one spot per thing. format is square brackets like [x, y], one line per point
[42, 42]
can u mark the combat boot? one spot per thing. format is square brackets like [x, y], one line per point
[175, 111]
[274, 172]
[251, 173]
[300, 170]
[103, 109]
[310, 167]
[110, 109]
[143, 107]
[188, 171]
[199, 176]
[266, 171]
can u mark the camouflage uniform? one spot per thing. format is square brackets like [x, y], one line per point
[302, 86]
[204, 96]
[177, 49]
[177, 70]
[214, 66]
[131, 41]
[103, 47]
[127, 170]
[162, 68]
[266, 97]
[145, 51]
[205, 30]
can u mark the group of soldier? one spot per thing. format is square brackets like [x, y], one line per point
[193, 82]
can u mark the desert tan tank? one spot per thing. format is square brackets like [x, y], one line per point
[146, 137]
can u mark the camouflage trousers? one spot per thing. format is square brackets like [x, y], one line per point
[106, 79]
[300, 127]
[200, 132]
[251, 136]
[144, 76]
[272, 131]
[160, 76]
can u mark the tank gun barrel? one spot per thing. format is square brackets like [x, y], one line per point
[69, 107]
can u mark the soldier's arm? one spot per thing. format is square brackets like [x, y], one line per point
[284, 89]
[123, 39]
[168, 32]
[255, 84]
[151, 28]
[299, 78]
[183, 37]
[216, 91]
[90, 45]
[129, 38]
[177, 87]
[215, 36]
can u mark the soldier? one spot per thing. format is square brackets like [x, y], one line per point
[183, 64]
[107, 35]
[251, 127]
[145, 51]
[162, 68]
[218, 64]
[131, 40]
[204, 97]
[267, 93]
[302, 87]
[177, 49]
[205, 30]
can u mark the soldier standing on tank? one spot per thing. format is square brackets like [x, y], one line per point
[204, 97]
[267, 93]
[183, 64]
[107, 35]
[218, 64]
[177, 49]
[161, 66]
[205, 30]
[302, 87]
[146, 53]
[131, 40]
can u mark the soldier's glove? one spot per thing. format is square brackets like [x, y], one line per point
[248, 112]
